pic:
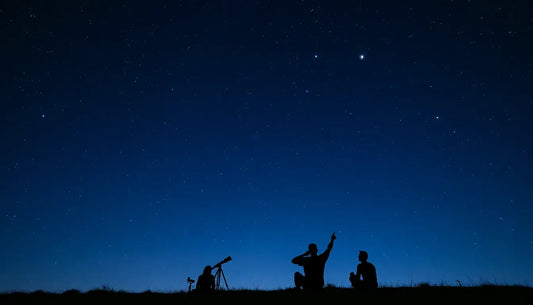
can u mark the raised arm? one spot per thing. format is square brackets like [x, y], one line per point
[330, 245]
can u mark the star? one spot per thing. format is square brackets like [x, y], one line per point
[43, 115]
[315, 56]
[361, 56]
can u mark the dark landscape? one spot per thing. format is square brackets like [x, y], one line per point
[486, 294]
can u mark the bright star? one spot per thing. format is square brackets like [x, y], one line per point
[315, 56]
[362, 56]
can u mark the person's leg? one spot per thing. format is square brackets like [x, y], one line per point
[356, 283]
[299, 280]
[353, 280]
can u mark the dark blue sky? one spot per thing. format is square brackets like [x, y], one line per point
[143, 141]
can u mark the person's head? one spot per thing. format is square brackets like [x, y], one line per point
[207, 270]
[313, 250]
[363, 256]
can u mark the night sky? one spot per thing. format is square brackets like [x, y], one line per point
[143, 140]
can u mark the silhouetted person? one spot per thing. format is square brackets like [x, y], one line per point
[313, 267]
[206, 281]
[365, 270]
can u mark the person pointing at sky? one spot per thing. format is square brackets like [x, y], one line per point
[313, 267]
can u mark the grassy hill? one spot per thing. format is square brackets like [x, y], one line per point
[419, 295]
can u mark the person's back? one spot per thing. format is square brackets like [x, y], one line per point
[314, 270]
[206, 281]
[368, 273]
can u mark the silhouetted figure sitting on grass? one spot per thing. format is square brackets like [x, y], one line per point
[313, 267]
[206, 281]
[365, 270]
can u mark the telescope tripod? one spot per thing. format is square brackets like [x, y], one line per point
[218, 275]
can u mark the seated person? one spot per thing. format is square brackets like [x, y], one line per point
[365, 270]
[206, 281]
[314, 265]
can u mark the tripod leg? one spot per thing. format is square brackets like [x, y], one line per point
[227, 288]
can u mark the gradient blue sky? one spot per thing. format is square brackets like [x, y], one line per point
[143, 141]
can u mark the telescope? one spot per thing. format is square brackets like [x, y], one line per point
[227, 259]
[220, 274]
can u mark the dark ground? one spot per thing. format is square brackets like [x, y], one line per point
[419, 295]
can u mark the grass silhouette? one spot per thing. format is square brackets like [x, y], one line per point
[424, 294]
